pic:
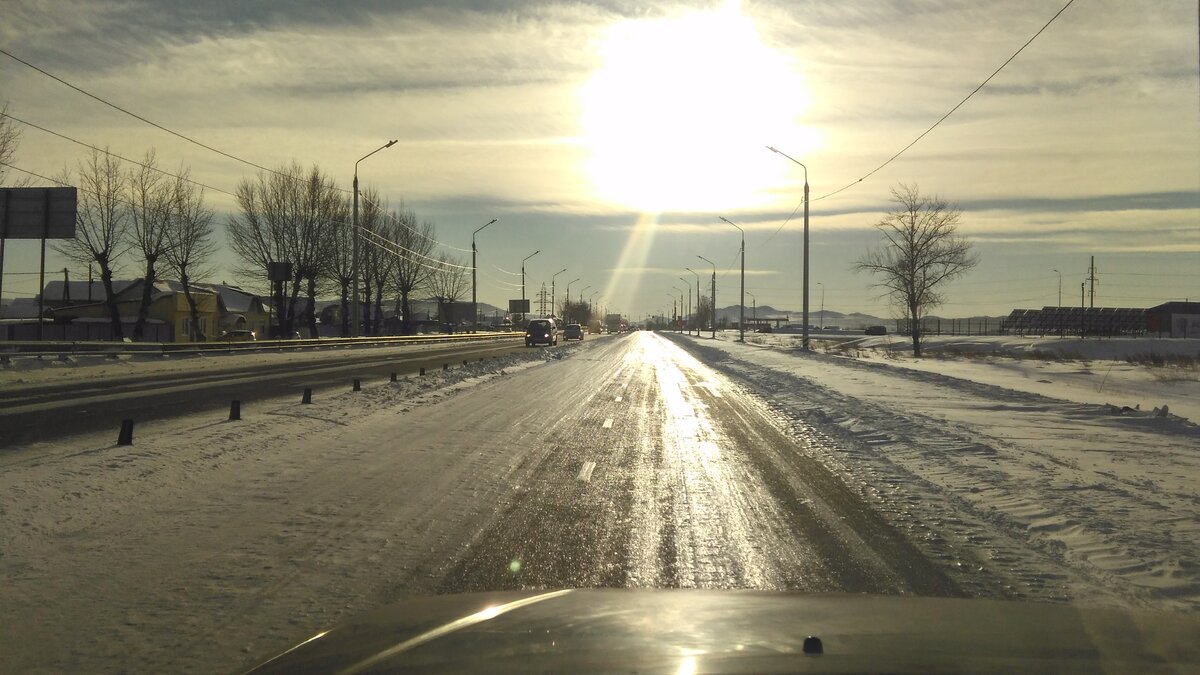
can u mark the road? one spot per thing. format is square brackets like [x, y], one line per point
[37, 413]
[622, 462]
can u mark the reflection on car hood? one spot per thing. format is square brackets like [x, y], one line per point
[685, 631]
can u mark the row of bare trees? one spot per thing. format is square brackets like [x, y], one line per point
[301, 217]
[156, 219]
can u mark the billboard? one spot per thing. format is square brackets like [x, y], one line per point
[518, 306]
[37, 213]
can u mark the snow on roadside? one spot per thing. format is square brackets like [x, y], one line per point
[1062, 499]
[169, 511]
[1120, 371]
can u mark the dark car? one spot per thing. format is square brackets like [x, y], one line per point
[541, 332]
[573, 331]
[876, 330]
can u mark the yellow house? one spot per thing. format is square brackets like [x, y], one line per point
[169, 304]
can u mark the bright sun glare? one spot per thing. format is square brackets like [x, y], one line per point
[677, 117]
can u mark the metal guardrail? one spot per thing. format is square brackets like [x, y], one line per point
[10, 349]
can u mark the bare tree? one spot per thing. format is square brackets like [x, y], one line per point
[287, 216]
[101, 223]
[10, 137]
[415, 262]
[189, 243]
[922, 250]
[338, 261]
[150, 196]
[447, 284]
[375, 256]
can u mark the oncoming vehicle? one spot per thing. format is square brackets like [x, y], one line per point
[237, 336]
[541, 331]
[573, 331]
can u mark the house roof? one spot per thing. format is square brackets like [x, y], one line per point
[77, 291]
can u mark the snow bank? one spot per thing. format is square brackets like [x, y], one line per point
[1061, 499]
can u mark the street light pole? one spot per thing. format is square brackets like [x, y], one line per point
[523, 278]
[713, 318]
[688, 285]
[822, 321]
[804, 341]
[474, 302]
[581, 293]
[681, 310]
[755, 301]
[697, 297]
[355, 308]
[552, 276]
[742, 302]
[567, 313]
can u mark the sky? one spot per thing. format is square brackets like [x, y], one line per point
[610, 137]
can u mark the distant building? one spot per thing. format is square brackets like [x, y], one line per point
[1174, 319]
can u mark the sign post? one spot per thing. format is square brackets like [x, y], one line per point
[37, 213]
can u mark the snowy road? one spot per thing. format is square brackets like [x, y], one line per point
[627, 464]
[633, 461]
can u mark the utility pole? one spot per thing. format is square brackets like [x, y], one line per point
[1092, 281]
[474, 283]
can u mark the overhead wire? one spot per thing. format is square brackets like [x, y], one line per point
[120, 157]
[925, 133]
[173, 133]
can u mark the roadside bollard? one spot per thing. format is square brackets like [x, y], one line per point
[126, 435]
[307, 395]
[235, 411]
[357, 385]
[393, 377]
[422, 371]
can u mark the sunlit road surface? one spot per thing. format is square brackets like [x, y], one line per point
[625, 464]
[652, 471]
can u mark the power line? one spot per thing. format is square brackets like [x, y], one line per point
[139, 117]
[956, 107]
[169, 131]
[113, 154]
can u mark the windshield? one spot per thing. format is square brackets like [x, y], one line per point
[308, 308]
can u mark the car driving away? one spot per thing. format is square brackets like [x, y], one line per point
[541, 332]
[237, 336]
[573, 331]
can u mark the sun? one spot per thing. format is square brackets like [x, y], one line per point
[677, 117]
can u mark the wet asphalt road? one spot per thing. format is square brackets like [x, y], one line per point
[647, 469]
[620, 462]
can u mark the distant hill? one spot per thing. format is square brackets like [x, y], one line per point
[815, 317]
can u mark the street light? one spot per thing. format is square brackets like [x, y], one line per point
[697, 297]
[755, 310]
[355, 308]
[688, 285]
[742, 302]
[552, 289]
[680, 319]
[1058, 310]
[713, 318]
[822, 326]
[581, 293]
[804, 341]
[474, 302]
[523, 278]
[567, 313]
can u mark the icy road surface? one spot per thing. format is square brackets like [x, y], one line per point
[623, 461]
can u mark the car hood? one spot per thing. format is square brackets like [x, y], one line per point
[687, 631]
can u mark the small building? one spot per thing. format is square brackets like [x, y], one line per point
[1174, 319]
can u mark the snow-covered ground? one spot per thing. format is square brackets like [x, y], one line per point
[996, 466]
[1005, 453]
